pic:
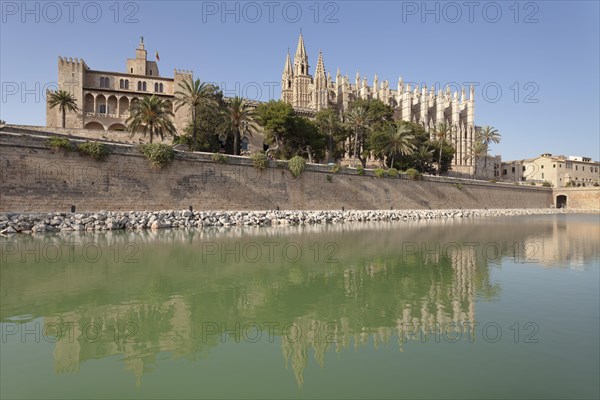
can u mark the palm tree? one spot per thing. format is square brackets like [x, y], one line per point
[424, 156]
[478, 149]
[401, 141]
[359, 119]
[489, 134]
[150, 115]
[65, 102]
[196, 95]
[237, 118]
[441, 132]
[329, 123]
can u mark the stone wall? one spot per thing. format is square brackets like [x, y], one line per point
[582, 198]
[34, 177]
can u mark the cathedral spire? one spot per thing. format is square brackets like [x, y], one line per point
[301, 58]
[287, 68]
[320, 66]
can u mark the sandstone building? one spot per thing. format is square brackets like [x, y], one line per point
[558, 170]
[105, 98]
[308, 94]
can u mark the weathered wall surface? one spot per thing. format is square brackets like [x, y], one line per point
[583, 198]
[36, 178]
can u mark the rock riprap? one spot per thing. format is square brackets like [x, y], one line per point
[11, 223]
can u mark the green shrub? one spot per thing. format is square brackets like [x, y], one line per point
[96, 150]
[459, 186]
[596, 184]
[492, 181]
[379, 172]
[547, 184]
[60, 143]
[336, 168]
[413, 174]
[392, 173]
[260, 161]
[219, 158]
[532, 183]
[296, 165]
[329, 178]
[360, 170]
[159, 155]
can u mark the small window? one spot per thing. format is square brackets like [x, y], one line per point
[156, 87]
[542, 167]
[583, 168]
[523, 169]
[542, 175]
[132, 70]
[553, 165]
[513, 169]
[140, 86]
[144, 86]
[576, 167]
[102, 109]
[504, 172]
[126, 83]
[150, 72]
[160, 86]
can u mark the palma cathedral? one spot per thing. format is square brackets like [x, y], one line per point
[309, 94]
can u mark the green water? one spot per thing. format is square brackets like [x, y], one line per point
[488, 308]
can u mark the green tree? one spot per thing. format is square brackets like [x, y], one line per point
[277, 118]
[198, 96]
[424, 156]
[150, 115]
[477, 149]
[330, 126]
[359, 119]
[441, 132]
[65, 102]
[237, 118]
[400, 140]
[489, 134]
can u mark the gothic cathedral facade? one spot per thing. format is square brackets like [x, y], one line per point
[308, 95]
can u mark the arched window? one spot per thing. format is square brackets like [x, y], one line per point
[150, 72]
[160, 86]
[144, 86]
[156, 87]
[140, 86]
[126, 83]
[121, 84]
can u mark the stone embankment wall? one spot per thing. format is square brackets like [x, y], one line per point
[34, 177]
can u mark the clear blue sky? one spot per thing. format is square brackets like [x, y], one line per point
[542, 55]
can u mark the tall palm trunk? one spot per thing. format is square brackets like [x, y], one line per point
[330, 155]
[194, 129]
[440, 159]
[236, 141]
[64, 117]
[355, 145]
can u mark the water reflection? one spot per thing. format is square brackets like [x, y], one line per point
[313, 289]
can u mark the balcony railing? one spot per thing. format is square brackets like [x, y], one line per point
[93, 114]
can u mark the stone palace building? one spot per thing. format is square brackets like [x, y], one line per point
[309, 94]
[105, 98]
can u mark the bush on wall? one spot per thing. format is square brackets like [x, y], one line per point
[159, 155]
